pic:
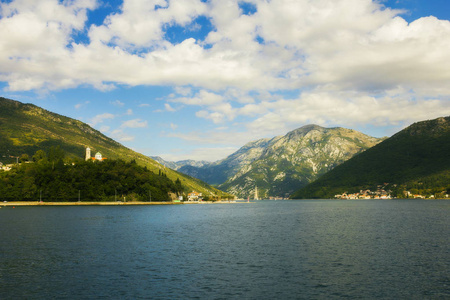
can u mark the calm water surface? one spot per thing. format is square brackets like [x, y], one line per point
[264, 250]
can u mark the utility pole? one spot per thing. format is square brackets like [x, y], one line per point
[150, 193]
[79, 195]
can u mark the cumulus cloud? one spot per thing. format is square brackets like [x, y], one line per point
[216, 137]
[169, 108]
[347, 109]
[117, 103]
[140, 23]
[34, 44]
[314, 43]
[349, 61]
[105, 129]
[100, 118]
[120, 135]
[203, 98]
[80, 105]
[204, 153]
[135, 123]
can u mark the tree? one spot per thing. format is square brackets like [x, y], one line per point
[40, 155]
[55, 154]
[24, 158]
[178, 185]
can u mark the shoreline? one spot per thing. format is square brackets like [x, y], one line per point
[93, 203]
[81, 203]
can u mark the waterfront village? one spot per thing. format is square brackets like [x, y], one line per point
[365, 194]
[382, 194]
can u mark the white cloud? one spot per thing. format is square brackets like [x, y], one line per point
[169, 108]
[173, 126]
[313, 43]
[129, 112]
[27, 61]
[117, 103]
[105, 129]
[216, 137]
[100, 118]
[135, 123]
[350, 61]
[218, 113]
[208, 154]
[202, 98]
[140, 24]
[80, 105]
[120, 135]
[347, 109]
[184, 91]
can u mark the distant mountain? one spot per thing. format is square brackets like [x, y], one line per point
[26, 128]
[280, 165]
[220, 171]
[416, 158]
[175, 165]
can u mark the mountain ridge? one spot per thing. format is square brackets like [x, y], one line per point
[280, 160]
[26, 128]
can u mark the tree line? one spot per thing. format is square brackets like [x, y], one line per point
[48, 177]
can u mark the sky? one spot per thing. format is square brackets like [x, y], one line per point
[191, 79]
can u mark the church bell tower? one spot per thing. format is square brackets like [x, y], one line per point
[88, 153]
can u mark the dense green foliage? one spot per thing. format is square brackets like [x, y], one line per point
[26, 128]
[417, 157]
[51, 179]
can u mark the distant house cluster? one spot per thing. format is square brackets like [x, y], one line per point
[365, 194]
[5, 167]
[408, 194]
[195, 197]
[98, 156]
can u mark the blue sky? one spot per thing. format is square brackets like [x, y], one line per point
[198, 79]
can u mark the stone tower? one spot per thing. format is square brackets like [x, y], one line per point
[88, 153]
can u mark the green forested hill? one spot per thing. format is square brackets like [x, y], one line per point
[110, 180]
[26, 128]
[416, 158]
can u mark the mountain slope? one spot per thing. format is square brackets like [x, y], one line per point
[26, 128]
[416, 156]
[218, 172]
[280, 165]
[296, 159]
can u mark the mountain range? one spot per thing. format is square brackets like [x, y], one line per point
[415, 160]
[26, 128]
[314, 161]
[280, 165]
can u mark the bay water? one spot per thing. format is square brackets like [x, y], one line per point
[313, 249]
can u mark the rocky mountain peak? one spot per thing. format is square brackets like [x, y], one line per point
[278, 166]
